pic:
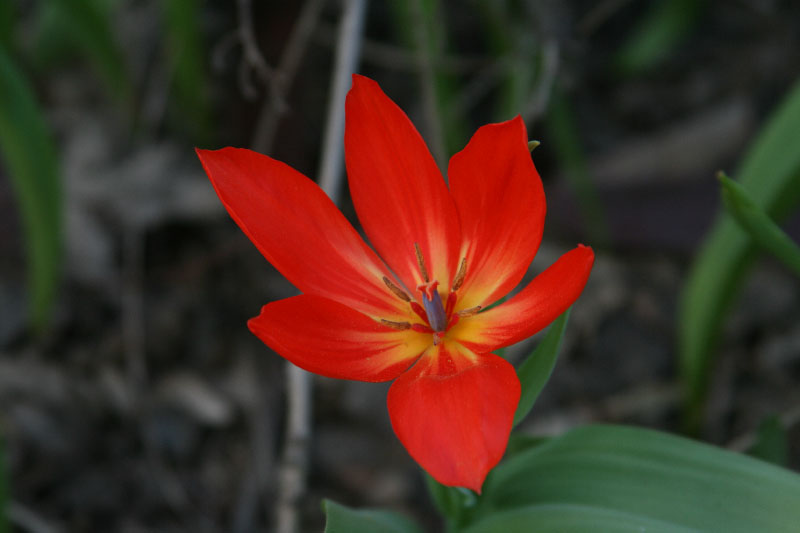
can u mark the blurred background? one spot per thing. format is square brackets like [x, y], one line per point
[132, 396]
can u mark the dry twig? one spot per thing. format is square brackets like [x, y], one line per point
[295, 454]
[274, 107]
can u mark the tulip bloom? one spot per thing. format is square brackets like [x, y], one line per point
[413, 311]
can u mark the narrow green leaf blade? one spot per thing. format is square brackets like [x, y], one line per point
[771, 172]
[758, 225]
[535, 371]
[29, 156]
[341, 519]
[650, 475]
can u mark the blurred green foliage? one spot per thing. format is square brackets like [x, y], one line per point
[772, 442]
[770, 171]
[29, 154]
[534, 372]
[421, 27]
[564, 133]
[658, 34]
[341, 519]
[85, 28]
[4, 490]
[187, 58]
[764, 232]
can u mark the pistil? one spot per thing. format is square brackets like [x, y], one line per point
[432, 302]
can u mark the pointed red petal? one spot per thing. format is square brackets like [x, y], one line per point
[534, 307]
[501, 203]
[453, 412]
[299, 230]
[330, 339]
[397, 190]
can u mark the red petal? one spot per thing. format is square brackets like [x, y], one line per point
[299, 230]
[453, 412]
[328, 338]
[501, 204]
[397, 190]
[542, 301]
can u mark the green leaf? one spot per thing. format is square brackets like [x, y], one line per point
[648, 478]
[761, 228]
[771, 172]
[772, 442]
[341, 519]
[187, 59]
[7, 18]
[568, 518]
[452, 502]
[534, 372]
[658, 33]
[88, 24]
[29, 156]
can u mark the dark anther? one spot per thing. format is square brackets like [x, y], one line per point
[462, 271]
[396, 290]
[395, 325]
[421, 263]
[469, 312]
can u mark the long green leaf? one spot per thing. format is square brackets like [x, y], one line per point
[569, 518]
[758, 225]
[29, 157]
[341, 519]
[648, 477]
[771, 172]
[535, 371]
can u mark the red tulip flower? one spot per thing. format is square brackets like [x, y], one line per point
[412, 310]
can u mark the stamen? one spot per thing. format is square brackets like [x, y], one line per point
[437, 337]
[395, 325]
[396, 290]
[462, 271]
[472, 311]
[421, 263]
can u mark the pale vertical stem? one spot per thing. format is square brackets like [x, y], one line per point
[298, 430]
[347, 54]
[425, 61]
